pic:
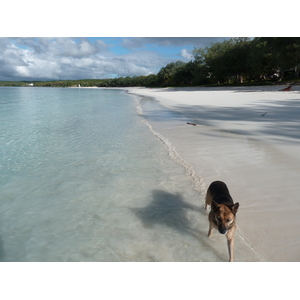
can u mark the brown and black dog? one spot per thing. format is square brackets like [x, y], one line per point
[222, 213]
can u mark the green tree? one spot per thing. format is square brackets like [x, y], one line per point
[278, 54]
[167, 73]
[184, 74]
[225, 60]
[151, 80]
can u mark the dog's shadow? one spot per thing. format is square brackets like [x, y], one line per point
[171, 210]
[167, 209]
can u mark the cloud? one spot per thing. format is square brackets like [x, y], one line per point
[139, 42]
[82, 58]
[11, 58]
[185, 54]
[67, 58]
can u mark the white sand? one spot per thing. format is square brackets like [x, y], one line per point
[257, 156]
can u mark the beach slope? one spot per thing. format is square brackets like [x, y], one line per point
[248, 137]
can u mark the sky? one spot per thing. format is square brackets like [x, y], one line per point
[64, 58]
[136, 39]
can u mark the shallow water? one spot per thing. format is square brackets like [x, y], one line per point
[84, 179]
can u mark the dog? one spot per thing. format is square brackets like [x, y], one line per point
[222, 215]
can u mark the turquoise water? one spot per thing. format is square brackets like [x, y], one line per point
[84, 178]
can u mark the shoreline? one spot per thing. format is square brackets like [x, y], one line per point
[257, 156]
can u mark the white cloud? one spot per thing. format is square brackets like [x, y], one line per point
[65, 58]
[69, 48]
[185, 54]
[79, 58]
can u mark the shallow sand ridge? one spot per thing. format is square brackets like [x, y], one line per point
[249, 138]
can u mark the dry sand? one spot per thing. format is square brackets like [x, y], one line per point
[256, 155]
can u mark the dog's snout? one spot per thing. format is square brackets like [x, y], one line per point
[222, 230]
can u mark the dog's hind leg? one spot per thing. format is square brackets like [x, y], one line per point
[211, 227]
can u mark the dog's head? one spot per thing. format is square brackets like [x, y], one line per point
[224, 215]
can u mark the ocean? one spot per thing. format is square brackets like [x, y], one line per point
[84, 177]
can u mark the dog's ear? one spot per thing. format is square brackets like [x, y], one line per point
[234, 208]
[214, 205]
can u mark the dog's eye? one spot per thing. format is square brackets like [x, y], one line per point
[228, 220]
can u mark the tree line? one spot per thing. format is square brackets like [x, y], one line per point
[234, 61]
[237, 60]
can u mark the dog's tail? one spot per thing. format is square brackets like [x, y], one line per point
[208, 199]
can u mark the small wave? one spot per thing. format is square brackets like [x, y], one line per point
[199, 184]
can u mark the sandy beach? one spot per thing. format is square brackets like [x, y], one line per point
[247, 137]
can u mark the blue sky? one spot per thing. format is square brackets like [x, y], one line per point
[63, 58]
[158, 33]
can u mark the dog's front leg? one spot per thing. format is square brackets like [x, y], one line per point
[230, 243]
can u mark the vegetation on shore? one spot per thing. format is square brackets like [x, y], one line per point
[234, 61]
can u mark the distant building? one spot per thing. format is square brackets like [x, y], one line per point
[30, 84]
